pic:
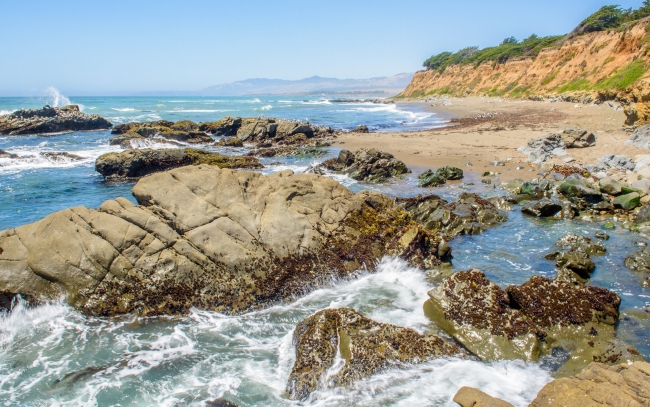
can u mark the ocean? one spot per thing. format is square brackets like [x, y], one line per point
[52, 355]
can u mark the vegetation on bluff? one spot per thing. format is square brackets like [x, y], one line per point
[607, 18]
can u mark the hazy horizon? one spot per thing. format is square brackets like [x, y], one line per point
[126, 48]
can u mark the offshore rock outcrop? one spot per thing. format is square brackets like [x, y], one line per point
[530, 320]
[51, 120]
[340, 346]
[365, 164]
[256, 130]
[131, 164]
[182, 131]
[211, 238]
[440, 177]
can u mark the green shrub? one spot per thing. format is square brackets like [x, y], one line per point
[624, 77]
[575, 85]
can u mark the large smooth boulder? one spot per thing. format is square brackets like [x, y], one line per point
[132, 164]
[529, 320]
[366, 164]
[211, 238]
[623, 385]
[51, 120]
[470, 214]
[366, 347]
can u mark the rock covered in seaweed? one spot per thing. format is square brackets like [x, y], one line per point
[530, 320]
[51, 120]
[440, 177]
[132, 164]
[340, 346]
[575, 265]
[211, 238]
[365, 164]
[470, 214]
[182, 131]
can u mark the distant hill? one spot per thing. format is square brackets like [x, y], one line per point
[389, 85]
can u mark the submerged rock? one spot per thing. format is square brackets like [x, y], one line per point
[51, 120]
[470, 214]
[440, 177]
[622, 385]
[366, 164]
[530, 320]
[61, 156]
[211, 238]
[132, 164]
[639, 262]
[6, 154]
[336, 347]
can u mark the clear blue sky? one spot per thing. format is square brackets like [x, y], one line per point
[105, 47]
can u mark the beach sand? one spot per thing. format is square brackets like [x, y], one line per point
[491, 129]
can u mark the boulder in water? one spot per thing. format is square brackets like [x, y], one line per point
[132, 164]
[529, 320]
[365, 347]
[366, 164]
[362, 128]
[470, 214]
[211, 238]
[543, 208]
[51, 120]
[430, 179]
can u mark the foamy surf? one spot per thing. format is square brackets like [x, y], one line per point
[75, 360]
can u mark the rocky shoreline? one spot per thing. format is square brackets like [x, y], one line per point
[210, 235]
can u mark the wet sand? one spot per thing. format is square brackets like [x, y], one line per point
[488, 129]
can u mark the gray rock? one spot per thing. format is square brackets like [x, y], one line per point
[366, 164]
[541, 149]
[619, 162]
[578, 138]
[611, 186]
[640, 137]
[644, 215]
[542, 209]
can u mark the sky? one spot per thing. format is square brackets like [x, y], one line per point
[123, 47]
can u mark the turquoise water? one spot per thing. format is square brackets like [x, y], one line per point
[53, 356]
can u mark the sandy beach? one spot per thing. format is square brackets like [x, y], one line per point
[490, 129]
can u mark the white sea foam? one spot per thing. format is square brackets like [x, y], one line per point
[123, 109]
[4, 112]
[199, 110]
[265, 108]
[54, 352]
[29, 158]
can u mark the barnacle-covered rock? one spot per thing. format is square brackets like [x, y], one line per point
[336, 347]
[51, 120]
[529, 320]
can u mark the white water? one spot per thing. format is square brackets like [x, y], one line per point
[56, 98]
[247, 358]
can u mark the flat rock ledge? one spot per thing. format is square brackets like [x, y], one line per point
[211, 238]
[51, 120]
[336, 347]
[133, 164]
[530, 320]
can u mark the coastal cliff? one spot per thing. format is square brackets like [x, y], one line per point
[591, 67]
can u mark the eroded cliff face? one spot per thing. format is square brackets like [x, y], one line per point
[608, 65]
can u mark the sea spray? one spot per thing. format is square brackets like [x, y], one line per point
[56, 98]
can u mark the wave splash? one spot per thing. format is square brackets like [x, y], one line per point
[56, 98]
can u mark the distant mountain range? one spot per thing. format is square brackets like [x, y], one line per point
[316, 85]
